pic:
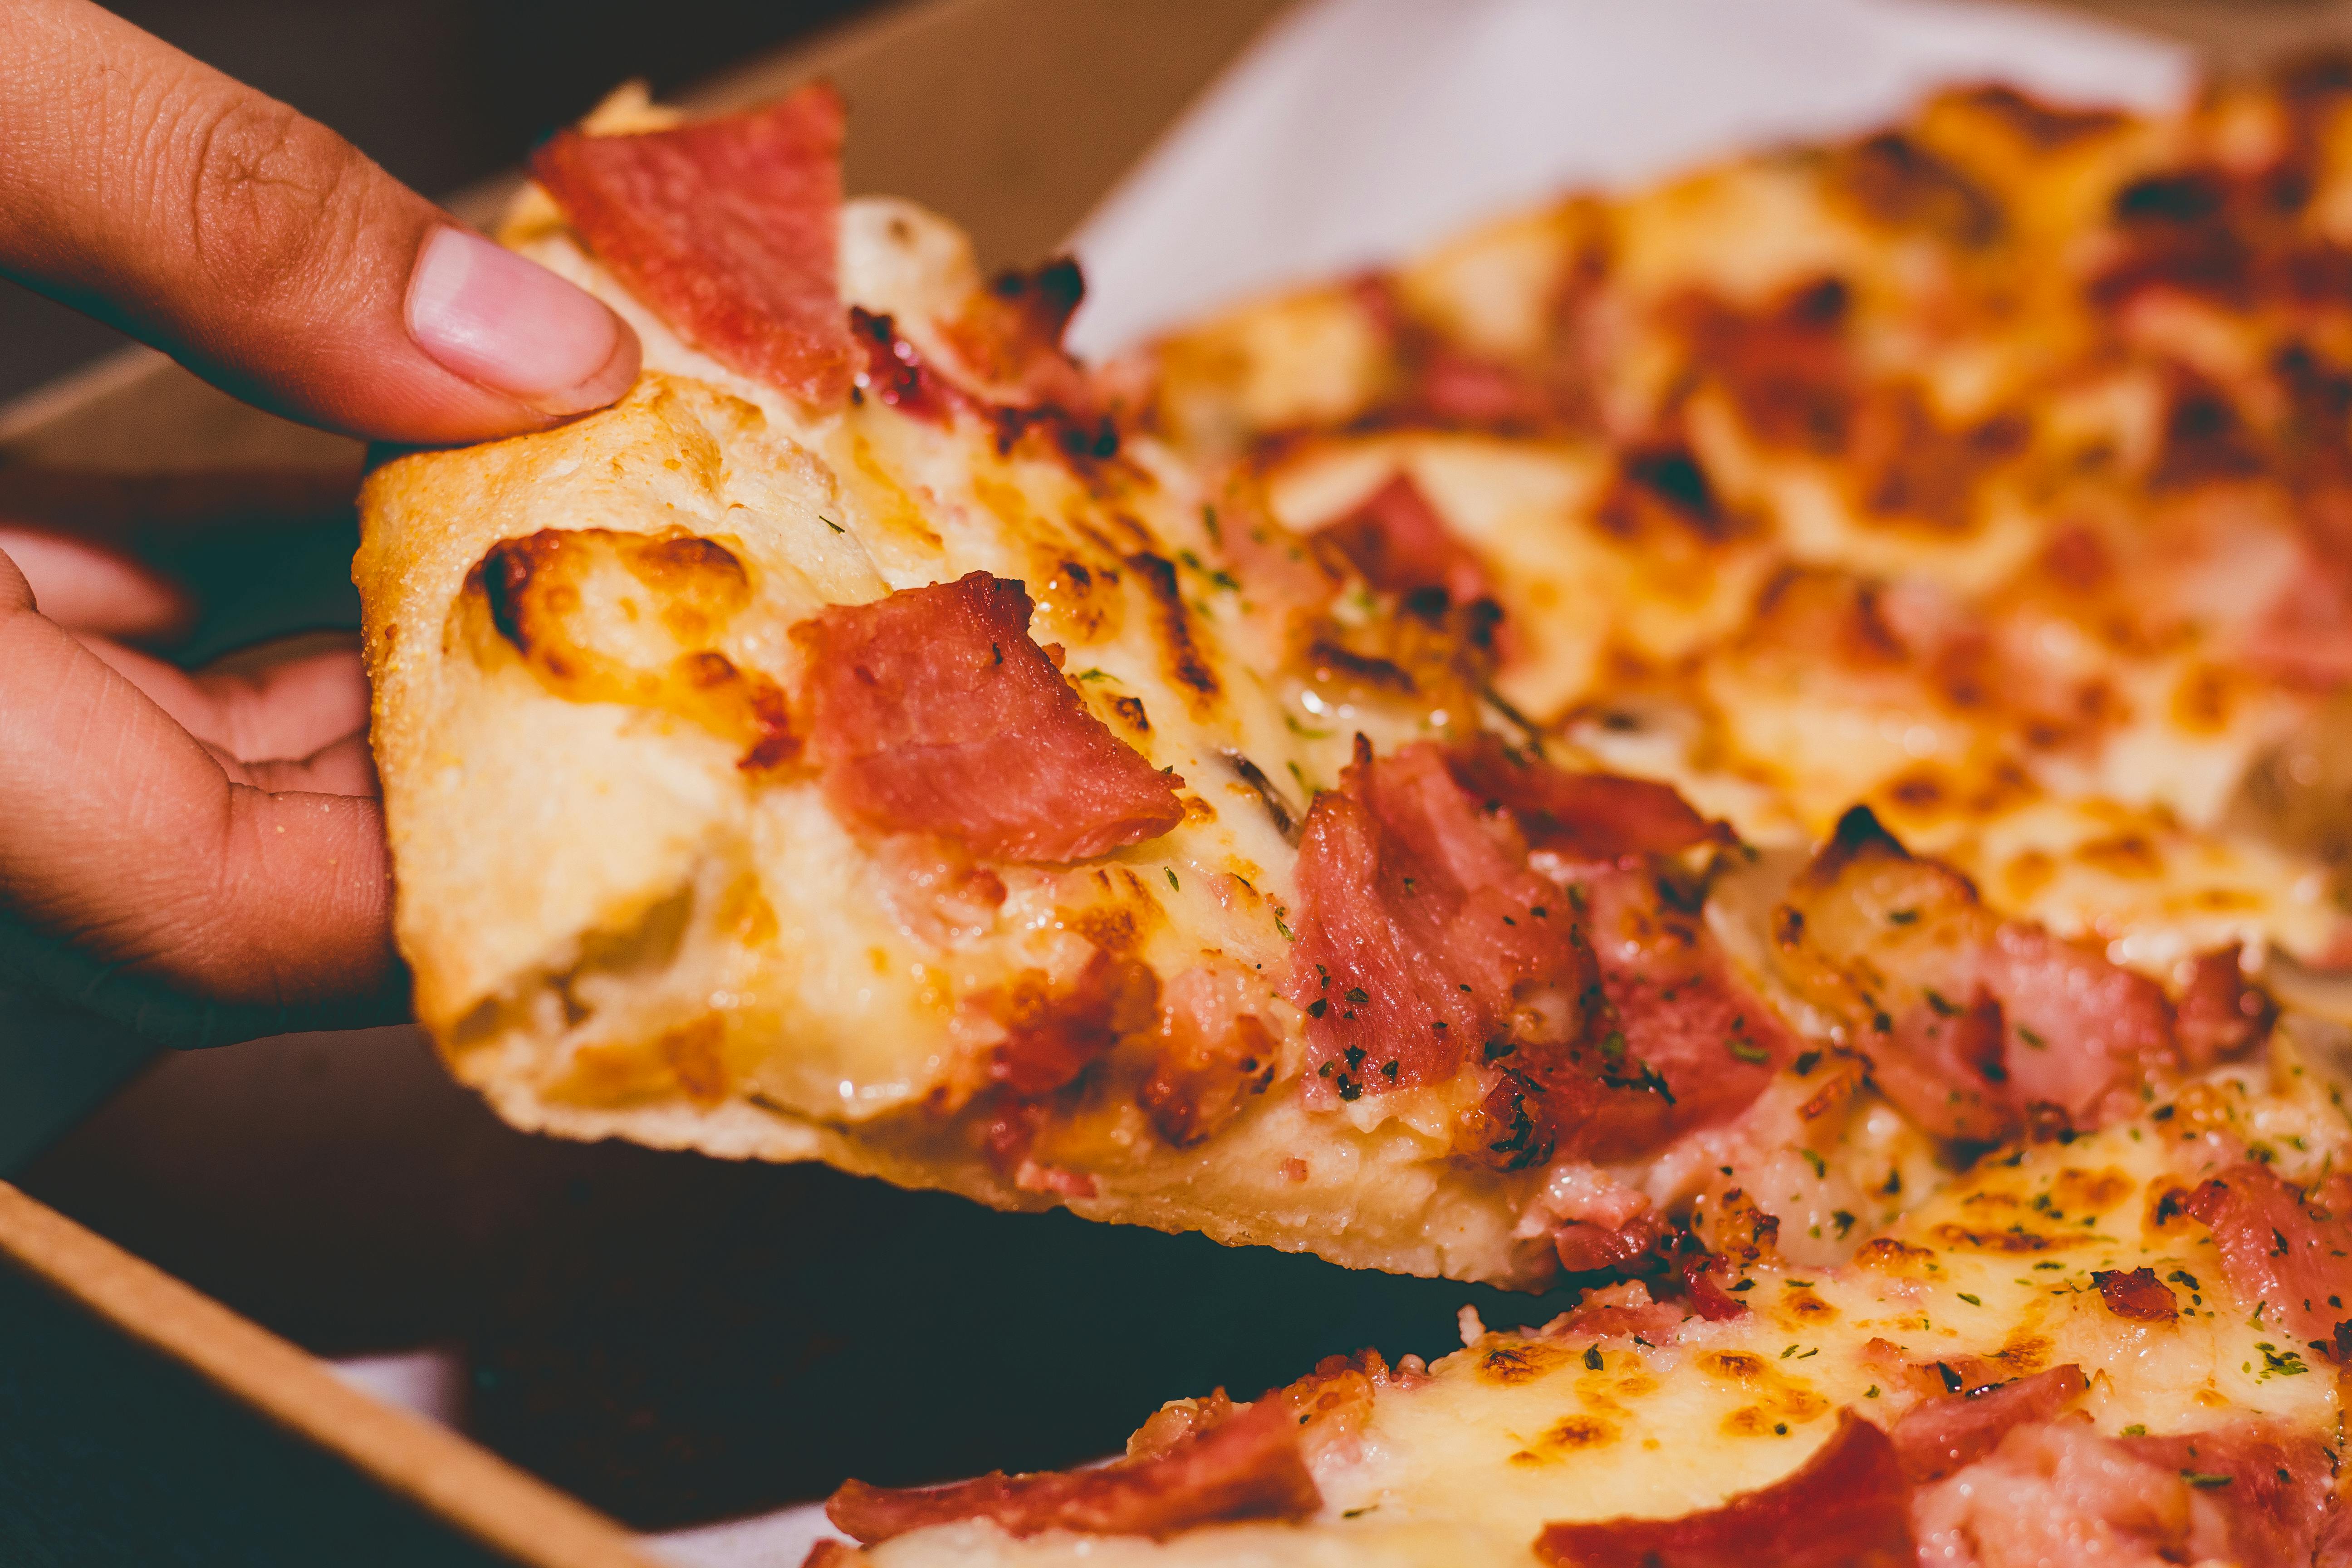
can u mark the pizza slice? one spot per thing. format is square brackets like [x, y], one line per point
[2125, 1348]
[866, 742]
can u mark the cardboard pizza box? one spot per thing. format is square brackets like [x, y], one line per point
[643, 1343]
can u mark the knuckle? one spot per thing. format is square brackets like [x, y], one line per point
[273, 198]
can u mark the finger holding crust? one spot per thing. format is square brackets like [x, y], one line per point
[133, 869]
[269, 255]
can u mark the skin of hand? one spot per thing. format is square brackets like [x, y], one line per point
[202, 854]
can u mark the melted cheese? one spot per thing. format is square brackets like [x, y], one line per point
[1527, 1428]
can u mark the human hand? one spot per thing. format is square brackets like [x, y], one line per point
[202, 854]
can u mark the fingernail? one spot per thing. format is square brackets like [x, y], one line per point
[510, 325]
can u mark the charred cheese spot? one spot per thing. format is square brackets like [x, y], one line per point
[601, 616]
[1565, 1437]
[1516, 1362]
[2014, 1241]
[1187, 662]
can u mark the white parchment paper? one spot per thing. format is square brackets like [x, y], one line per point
[1357, 130]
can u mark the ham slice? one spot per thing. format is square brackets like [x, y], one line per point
[1846, 1506]
[1975, 1025]
[2059, 1492]
[1467, 905]
[1580, 817]
[1946, 1432]
[1247, 1466]
[1420, 927]
[2287, 1250]
[727, 228]
[1195, 1462]
[933, 711]
[1402, 546]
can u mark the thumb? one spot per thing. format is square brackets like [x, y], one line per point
[268, 254]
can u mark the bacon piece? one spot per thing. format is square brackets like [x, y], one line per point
[2056, 1491]
[728, 228]
[1402, 546]
[1846, 1506]
[1213, 1052]
[1051, 1035]
[1418, 927]
[2218, 1015]
[2059, 1492]
[1580, 817]
[1945, 1431]
[1620, 1310]
[1708, 1299]
[1974, 1024]
[2276, 1497]
[1670, 1005]
[1009, 339]
[1248, 1465]
[1587, 1249]
[933, 711]
[2137, 1294]
[2289, 1250]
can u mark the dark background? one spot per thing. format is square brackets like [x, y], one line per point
[441, 92]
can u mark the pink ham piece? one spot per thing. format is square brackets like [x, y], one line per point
[1846, 1506]
[1449, 896]
[1402, 546]
[1580, 817]
[725, 228]
[933, 711]
[1974, 1024]
[1419, 924]
[1247, 1466]
[2058, 1492]
[1947, 1431]
[2287, 1250]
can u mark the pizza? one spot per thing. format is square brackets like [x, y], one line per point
[1764, 746]
[1333, 784]
[2123, 1349]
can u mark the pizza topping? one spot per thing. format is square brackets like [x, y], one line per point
[1242, 1462]
[1622, 1311]
[2273, 1485]
[1585, 1248]
[1846, 1506]
[1972, 1022]
[726, 227]
[2136, 1293]
[933, 711]
[1709, 1298]
[1051, 1034]
[1419, 931]
[2218, 1015]
[2060, 1493]
[1578, 818]
[1213, 1053]
[1949, 1429]
[2289, 1250]
[1398, 542]
[1699, 1045]
[1009, 339]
